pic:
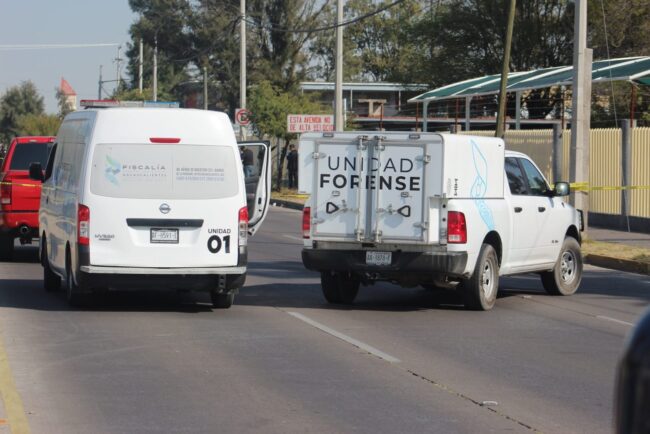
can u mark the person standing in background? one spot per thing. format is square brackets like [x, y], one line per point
[248, 160]
[292, 167]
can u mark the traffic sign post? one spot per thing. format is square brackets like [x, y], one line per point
[242, 117]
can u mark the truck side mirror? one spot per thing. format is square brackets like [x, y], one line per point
[562, 189]
[633, 382]
[36, 172]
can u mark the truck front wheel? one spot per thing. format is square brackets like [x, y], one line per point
[338, 287]
[480, 291]
[565, 277]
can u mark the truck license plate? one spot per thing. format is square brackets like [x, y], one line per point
[164, 236]
[378, 258]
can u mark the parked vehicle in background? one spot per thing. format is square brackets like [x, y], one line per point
[19, 195]
[149, 198]
[435, 210]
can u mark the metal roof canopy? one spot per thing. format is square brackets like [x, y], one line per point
[635, 69]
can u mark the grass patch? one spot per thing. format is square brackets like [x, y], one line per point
[289, 195]
[616, 250]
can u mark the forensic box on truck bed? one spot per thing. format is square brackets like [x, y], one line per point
[432, 210]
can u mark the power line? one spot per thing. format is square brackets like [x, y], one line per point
[52, 46]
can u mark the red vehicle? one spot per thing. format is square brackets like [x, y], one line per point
[20, 196]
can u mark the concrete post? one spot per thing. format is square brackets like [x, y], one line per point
[425, 109]
[626, 161]
[557, 153]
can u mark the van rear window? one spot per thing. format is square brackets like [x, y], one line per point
[164, 171]
[28, 153]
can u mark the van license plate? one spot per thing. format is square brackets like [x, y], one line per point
[164, 236]
[378, 258]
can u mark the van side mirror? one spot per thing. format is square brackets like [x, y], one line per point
[36, 172]
[561, 189]
[633, 382]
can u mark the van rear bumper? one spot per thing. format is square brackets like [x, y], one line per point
[447, 263]
[193, 279]
[94, 269]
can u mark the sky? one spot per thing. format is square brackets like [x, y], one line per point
[38, 22]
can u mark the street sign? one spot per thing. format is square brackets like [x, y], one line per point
[242, 117]
[309, 123]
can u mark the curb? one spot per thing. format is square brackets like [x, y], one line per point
[287, 204]
[627, 265]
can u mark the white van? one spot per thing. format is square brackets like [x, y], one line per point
[150, 198]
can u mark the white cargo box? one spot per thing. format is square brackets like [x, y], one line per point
[388, 186]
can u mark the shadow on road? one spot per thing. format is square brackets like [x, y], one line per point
[29, 294]
[26, 254]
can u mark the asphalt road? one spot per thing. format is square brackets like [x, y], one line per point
[282, 360]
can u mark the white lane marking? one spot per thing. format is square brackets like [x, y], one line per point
[292, 237]
[606, 318]
[350, 340]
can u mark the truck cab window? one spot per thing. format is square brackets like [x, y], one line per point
[516, 179]
[536, 182]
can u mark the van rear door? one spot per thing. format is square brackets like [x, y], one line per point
[165, 205]
[256, 163]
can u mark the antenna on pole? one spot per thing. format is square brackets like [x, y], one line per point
[99, 92]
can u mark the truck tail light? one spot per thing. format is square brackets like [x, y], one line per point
[243, 226]
[5, 191]
[83, 225]
[456, 228]
[306, 222]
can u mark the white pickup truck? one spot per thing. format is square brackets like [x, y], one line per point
[436, 210]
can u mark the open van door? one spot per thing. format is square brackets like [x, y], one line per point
[256, 159]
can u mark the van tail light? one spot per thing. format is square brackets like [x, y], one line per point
[456, 228]
[243, 226]
[5, 192]
[83, 225]
[306, 222]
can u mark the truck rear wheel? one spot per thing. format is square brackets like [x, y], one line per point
[480, 291]
[339, 287]
[565, 277]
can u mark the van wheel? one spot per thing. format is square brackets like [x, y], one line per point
[565, 277]
[480, 291]
[338, 287]
[51, 281]
[222, 300]
[74, 294]
[6, 247]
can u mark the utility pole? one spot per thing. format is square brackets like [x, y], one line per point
[205, 88]
[118, 60]
[338, 87]
[581, 109]
[504, 72]
[99, 91]
[155, 69]
[140, 61]
[242, 63]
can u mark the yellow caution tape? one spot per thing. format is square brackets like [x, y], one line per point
[584, 186]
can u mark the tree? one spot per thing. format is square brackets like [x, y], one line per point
[270, 106]
[65, 106]
[18, 101]
[627, 23]
[38, 125]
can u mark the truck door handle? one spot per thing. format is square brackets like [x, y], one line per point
[518, 209]
[541, 209]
